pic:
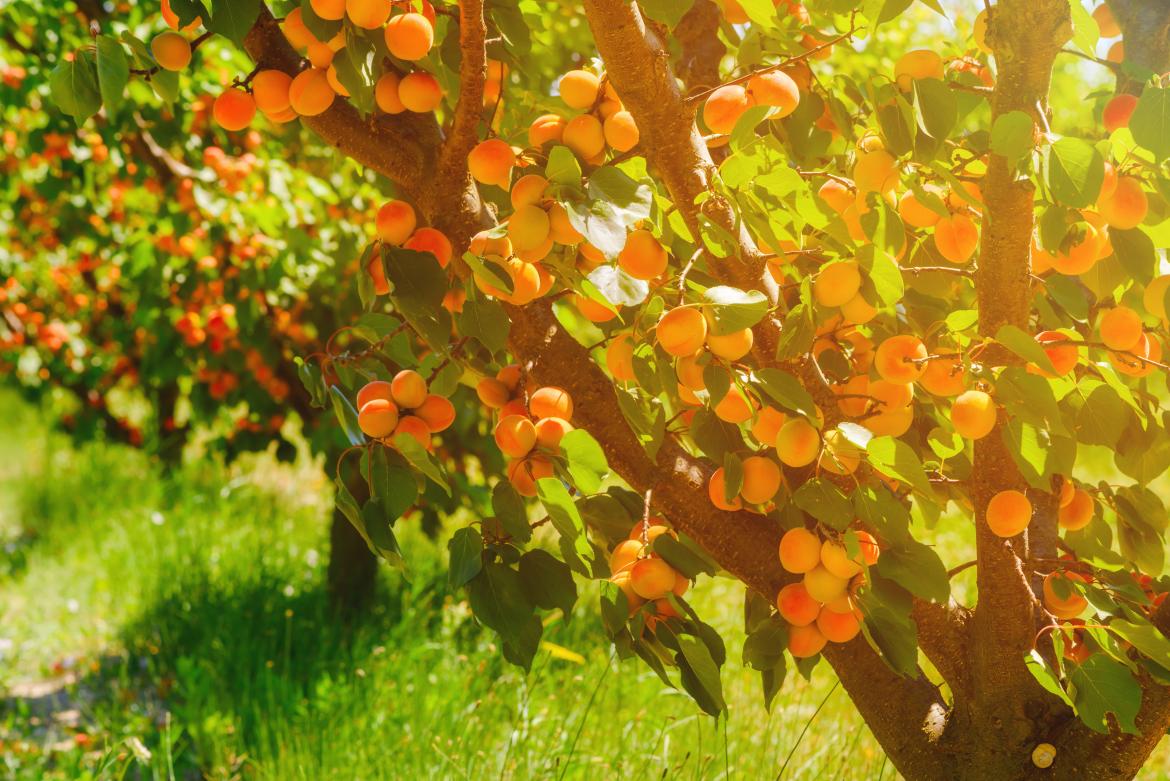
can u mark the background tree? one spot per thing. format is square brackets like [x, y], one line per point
[803, 299]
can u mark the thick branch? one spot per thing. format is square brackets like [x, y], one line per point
[1145, 28]
[698, 37]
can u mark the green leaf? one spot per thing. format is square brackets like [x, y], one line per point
[1075, 171]
[585, 459]
[346, 416]
[563, 167]
[508, 506]
[1135, 249]
[825, 502]
[548, 581]
[425, 462]
[393, 481]
[700, 674]
[1103, 417]
[1045, 675]
[498, 600]
[714, 437]
[378, 533]
[419, 287]
[234, 18]
[1013, 135]
[113, 70]
[786, 390]
[484, 320]
[1150, 123]
[466, 548]
[887, 624]
[73, 85]
[1102, 686]
[682, 558]
[1086, 33]
[1145, 637]
[917, 568]
[899, 460]
[798, 333]
[1025, 346]
[566, 519]
[730, 309]
[669, 12]
[630, 199]
[936, 107]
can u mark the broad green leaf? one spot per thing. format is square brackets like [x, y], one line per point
[585, 459]
[916, 568]
[730, 309]
[1102, 686]
[74, 86]
[1075, 171]
[563, 167]
[1150, 123]
[548, 581]
[1013, 135]
[899, 460]
[787, 392]
[346, 416]
[825, 502]
[113, 70]
[466, 549]
[234, 18]
[499, 600]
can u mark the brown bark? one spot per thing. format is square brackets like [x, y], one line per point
[1145, 30]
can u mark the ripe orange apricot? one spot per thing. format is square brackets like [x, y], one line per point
[409, 36]
[1120, 328]
[917, 64]
[836, 560]
[875, 172]
[621, 131]
[805, 642]
[330, 10]
[437, 412]
[172, 18]
[858, 311]
[716, 490]
[386, 94]
[578, 88]
[944, 376]
[837, 283]
[270, 89]
[1067, 607]
[585, 136]
[545, 129]
[901, 359]
[956, 238]
[551, 402]
[837, 195]
[376, 389]
[171, 51]
[1106, 23]
[624, 555]
[368, 14]
[800, 550]
[735, 407]
[550, 432]
[395, 222]
[1118, 111]
[234, 109]
[732, 346]
[377, 272]
[1126, 207]
[528, 190]
[724, 107]
[1078, 512]
[515, 435]
[619, 358]
[838, 627]
[774, 88]
[917, 214]
[409, 389]
[643, 256]
[378, 418]
[796, 606]
[761, 480]
[690, 372]
[560, 228]
[1064, 357]
[433, 241]
[870, 551]
[491, 162]
[310, 93]
[528, 228]
[681, 331]
[798, 443]
[420, 92]
[652, 578]
[824, 586]
[524, 472]
[767, 425]
[492, 392]
[593, 311]
[973, 414]
[1008, 513]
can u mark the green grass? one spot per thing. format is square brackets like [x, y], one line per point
[187, 619]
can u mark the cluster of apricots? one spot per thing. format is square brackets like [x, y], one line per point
[397, 225]
[820, 608]
[726, 104]
[644, 576]
[530, 424]
[387, 410]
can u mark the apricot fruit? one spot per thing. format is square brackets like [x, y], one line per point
[420, 92]
[437, 412]
[376, 389]
[409, 36]
[870, 551]
[378, 418]
[761, 480]
[837, 195]
[724, 107]
[386, 94]
[838, 627]
[643, 256]
[839, 455]
[409, 389]
[491, 162]
[395, 222]
[234, 109]
[732, 346]
[1078, 512]
[837, 283]
[528, 191]
[836, 560]
[523, 474]
[310, 93]
[1106, 23]
[681, 331]
[800, 551]
[621, 131]
[492, 392]
[561, 228]
[585, 136]
[824, 586]
[798, 443]
[433, 241]
[956, 238]
[796, 606]
[1064, 357]
[735, 407]
[973, 414]
[767, 425]
[716, 490]
[917, 64]
[171, 51]
[1067, 607]
[579, 89]
[329, 10]
[619, 358]
[550, 432]
[547, 128]
[915, 213]
[805, 642]
[368, 14]
[875, 172]
[1126, 207]
[1120, 328]
[270, 90]
[774, 88]
[1118, 112]
[624, 555]
[515, 435]
[652, 578]
[901, 359]
[1008, 513]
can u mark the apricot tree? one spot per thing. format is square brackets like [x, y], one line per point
[762, 291]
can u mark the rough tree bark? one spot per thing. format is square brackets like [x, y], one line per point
[997, 716]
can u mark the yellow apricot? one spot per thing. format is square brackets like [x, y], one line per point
[409, 389]
[800, 551]
[724, 107]
[805, 642]
[735, 407]
[839, 455]
[621, 131]
[681, 331]
[858, 311]
[528, 190]
[624, 555]
[837, 195]
[619, 357]
[798, 443]
[796, 606]
[578, 88]
[524, 472]
[492, 392]
[420, 92]
[376, 389]
[378, 418]
[824, 586]
[838, 627]
[551, 402]
[515, 435]
[234, 109]
[973, 414]
[330, 10]
[917, 214]
[270, 89]
[956, 238]
[171, 51]
[652, 578]
[944, 376]
[395, 222]
[875, 172]
[1126, 207]
[837, 283]
[433, 241]
[643, 256]
[310, 93]
[386, 94]
[1008, 513]
[545, 129]
[409, 36]
[836, 560]
[732, 346]
[767, 425]
[1064, 607]
[1120, 328]
[761, 480]
[528, 228]
[550, 432]
[593, 311]
[561, 228]
[774, 88]
[716, 490]
[491, 162]
[1106, 22]
[368, 14]
[585, 136]
[901, 359]
[437, 412]
[1078, 512]
[917, 64]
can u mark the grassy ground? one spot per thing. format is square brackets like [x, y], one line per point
[177, 628]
